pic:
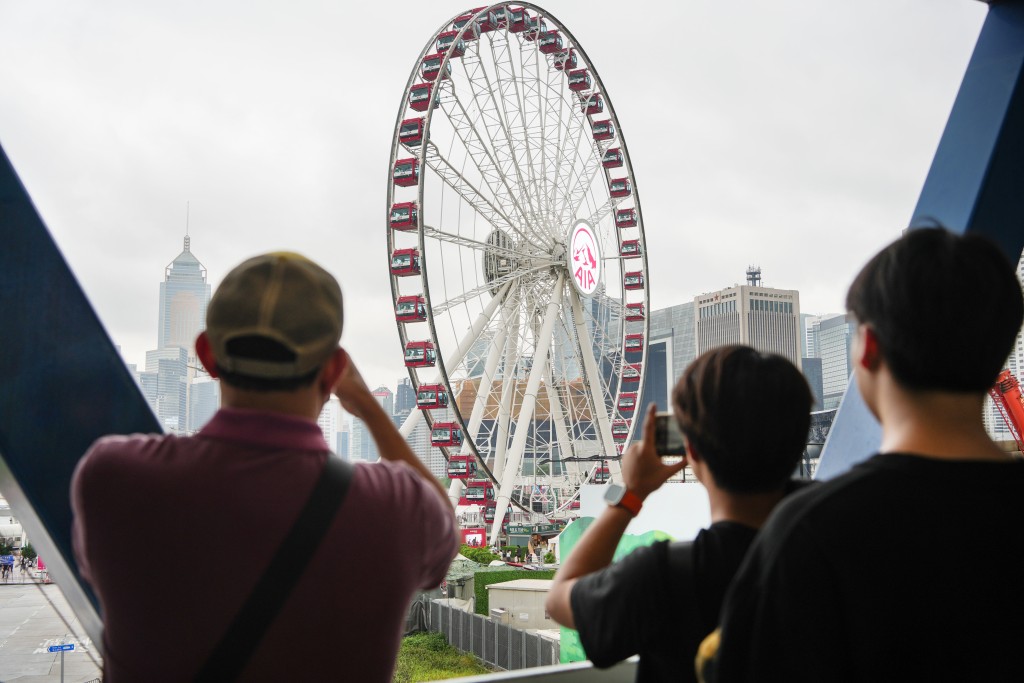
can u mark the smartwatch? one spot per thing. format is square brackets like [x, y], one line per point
[617, 495]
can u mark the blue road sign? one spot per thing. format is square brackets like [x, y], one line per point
[61, 648]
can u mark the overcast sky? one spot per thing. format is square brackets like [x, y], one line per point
[791, 134]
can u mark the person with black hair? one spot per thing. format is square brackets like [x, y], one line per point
[907, 567]
[143, 503]
[661, 600]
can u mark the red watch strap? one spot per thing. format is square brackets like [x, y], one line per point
[631, 502]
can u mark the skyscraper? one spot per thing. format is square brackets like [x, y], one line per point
[762, 317]
[834, 337]
[172, 367]
[184, 294]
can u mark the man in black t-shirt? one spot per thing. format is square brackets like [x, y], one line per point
[661, 600]
[906, 568]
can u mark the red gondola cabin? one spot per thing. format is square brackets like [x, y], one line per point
[446, 434]
[604, 130]
[403, 216]
[591, 104]
[634, 343]
[430, 69]
[631, 374]
[517, 18]
[405, 262]
[633, 280]
[630, 249]
[534, 26]
[627, 402]
[612, 158]
[565, 60]
[430, 396]
[411, 309]
[580, 80]
[477, 493]
[625, 218]
[419, 96]
[602, 475]
[635, 312]
[489, 513]
[449, 41]
[620, 430]
[410, 133]
[473, 32]
[620, 187]
[493, 20]
[406, 172]
[461, 467]
[550, 41]
[420, 354]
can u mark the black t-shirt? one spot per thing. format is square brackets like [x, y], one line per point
[906, 568]
[659, 602]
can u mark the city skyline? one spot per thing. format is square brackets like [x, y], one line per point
[803, 166]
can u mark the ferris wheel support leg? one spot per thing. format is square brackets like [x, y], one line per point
[410, 424]
[484, 391]
[592, 373]
[515, 455]
[561, 435]
[507, 391]
[455, 491]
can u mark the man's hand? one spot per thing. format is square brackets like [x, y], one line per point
[642, 469]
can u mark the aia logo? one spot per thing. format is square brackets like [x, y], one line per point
[584, 258]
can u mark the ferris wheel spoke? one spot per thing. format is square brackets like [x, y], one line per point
[471, 195]
[526, 411]
[564, 163]
[463, 241]
[507, 112]
[571, 192]
[485, 288]
[584, 181]
[468, 132]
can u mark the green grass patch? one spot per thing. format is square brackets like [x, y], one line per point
[428, 657]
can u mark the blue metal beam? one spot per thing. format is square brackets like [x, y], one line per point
[62, 385]
[975, 184]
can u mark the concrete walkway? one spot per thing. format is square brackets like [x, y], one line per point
[30, 622]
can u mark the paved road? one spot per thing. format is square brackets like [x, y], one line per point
[29, 623]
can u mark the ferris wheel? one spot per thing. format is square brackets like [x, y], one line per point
[518, 264]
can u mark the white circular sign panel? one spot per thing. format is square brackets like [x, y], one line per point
[584, 258]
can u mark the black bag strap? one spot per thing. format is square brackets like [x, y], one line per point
[243, 636]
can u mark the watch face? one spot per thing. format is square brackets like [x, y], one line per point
[614, 493]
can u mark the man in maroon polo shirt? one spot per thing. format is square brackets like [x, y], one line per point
[174, 532]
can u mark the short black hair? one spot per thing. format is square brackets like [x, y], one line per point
[747, 413]
[263, 348]
[945, 308]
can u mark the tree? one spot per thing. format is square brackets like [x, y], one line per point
[6, 548]
[28, 552]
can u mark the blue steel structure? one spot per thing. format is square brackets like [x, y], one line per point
[63, 384]
[975, 184]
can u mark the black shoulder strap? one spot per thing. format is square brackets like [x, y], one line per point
[244, 634]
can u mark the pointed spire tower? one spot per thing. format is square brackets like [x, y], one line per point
[184, 294]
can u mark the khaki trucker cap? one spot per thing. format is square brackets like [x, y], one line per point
[280, 296]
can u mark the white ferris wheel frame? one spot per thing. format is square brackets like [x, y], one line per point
[494, 209]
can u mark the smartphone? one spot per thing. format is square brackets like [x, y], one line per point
[668, 440]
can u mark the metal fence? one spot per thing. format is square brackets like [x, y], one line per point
[499, 645]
